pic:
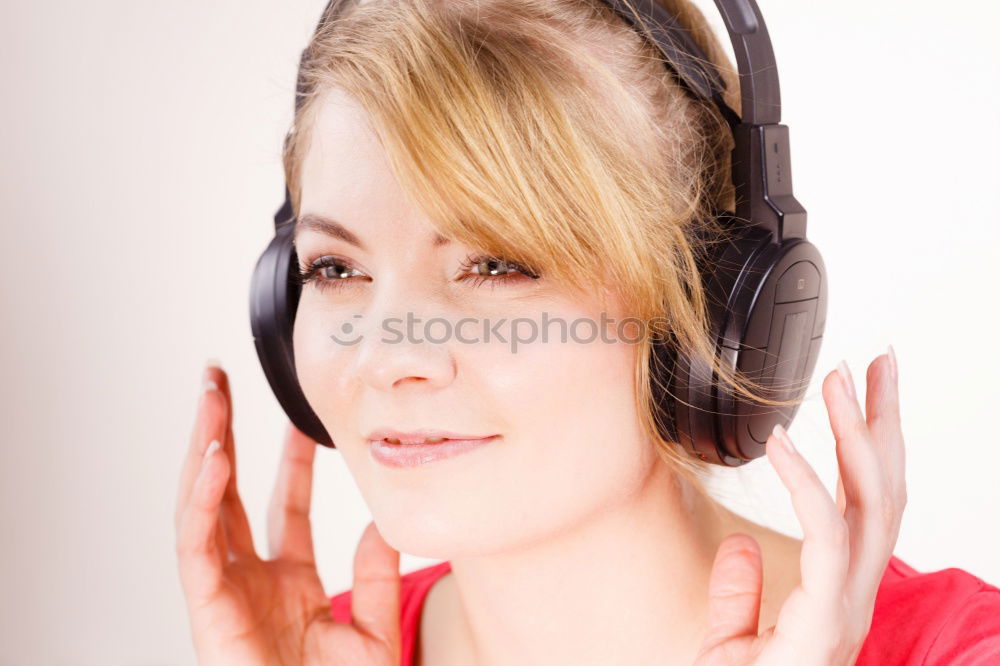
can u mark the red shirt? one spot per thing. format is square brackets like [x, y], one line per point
[939, 618]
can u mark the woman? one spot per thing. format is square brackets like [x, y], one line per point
[441, 166]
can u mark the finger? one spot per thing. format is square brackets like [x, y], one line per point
[234, 516]
[882, 410]
[824, 556]
[841, 500]
[859, 463]
[209, 424]
[200, 551]
[376, 589]
[870, 508]
[221, 378]
[289, 529]
[734, 591]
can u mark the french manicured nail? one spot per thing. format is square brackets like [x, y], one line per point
[208, 384]
[211, 449]
[782, 435]
[845, 377]
[203, 470]
[892, 361]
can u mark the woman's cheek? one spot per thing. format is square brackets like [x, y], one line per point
[317, 357]
[306, 346]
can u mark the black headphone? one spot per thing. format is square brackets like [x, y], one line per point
[766, 288]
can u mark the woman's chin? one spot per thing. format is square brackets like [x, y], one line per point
[434, 537]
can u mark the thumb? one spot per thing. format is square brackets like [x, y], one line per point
[734, 591]
[375, 604]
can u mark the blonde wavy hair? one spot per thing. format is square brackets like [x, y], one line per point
[549, 133]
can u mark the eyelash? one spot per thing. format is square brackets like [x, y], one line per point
[311, 272]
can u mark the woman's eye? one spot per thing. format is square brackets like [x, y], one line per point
[327, 272]
[487, 268]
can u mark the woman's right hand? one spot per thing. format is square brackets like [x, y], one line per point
[253, 612]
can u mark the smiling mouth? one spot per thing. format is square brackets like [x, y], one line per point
[389, 451]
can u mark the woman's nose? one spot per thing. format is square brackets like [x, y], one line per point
[395, 352]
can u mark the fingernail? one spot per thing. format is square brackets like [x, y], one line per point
[845, 377]
[211, 449]
[782, 435]
[892, 362]
[207, 383]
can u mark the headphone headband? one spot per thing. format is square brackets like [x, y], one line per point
[763, 178]
[761, 100]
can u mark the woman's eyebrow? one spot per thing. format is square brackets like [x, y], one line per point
[331, 227]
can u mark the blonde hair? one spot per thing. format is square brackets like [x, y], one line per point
[549, 133]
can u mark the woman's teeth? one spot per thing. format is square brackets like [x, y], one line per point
[429, 440]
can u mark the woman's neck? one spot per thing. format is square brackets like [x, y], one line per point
[627, 586]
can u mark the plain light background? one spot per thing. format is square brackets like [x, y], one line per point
[141, 167]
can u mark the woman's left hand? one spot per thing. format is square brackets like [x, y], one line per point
[846, 543]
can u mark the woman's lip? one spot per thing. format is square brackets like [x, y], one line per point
[413, 455]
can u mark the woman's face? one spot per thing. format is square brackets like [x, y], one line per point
[570, 443]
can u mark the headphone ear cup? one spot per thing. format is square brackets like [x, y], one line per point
[274, 299]
[767, 309]
[779, 326]
[685, 387]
